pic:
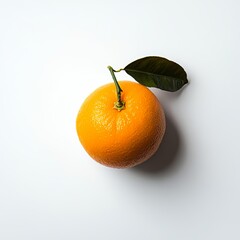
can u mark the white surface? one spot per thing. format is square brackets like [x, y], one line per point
[52, 55]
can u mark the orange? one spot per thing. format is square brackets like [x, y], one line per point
[123, 138]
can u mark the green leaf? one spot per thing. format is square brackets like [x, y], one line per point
[158, 72]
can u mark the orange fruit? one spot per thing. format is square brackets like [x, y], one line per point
[123, 138]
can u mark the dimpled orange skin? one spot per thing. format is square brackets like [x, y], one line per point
[121, 139]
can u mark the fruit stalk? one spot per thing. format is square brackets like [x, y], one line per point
[119, 105]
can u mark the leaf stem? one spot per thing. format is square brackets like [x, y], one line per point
[119, 70]
[119, 105]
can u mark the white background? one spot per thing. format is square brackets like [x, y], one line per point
[53, 54]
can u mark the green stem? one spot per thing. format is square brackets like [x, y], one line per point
[119, 105]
